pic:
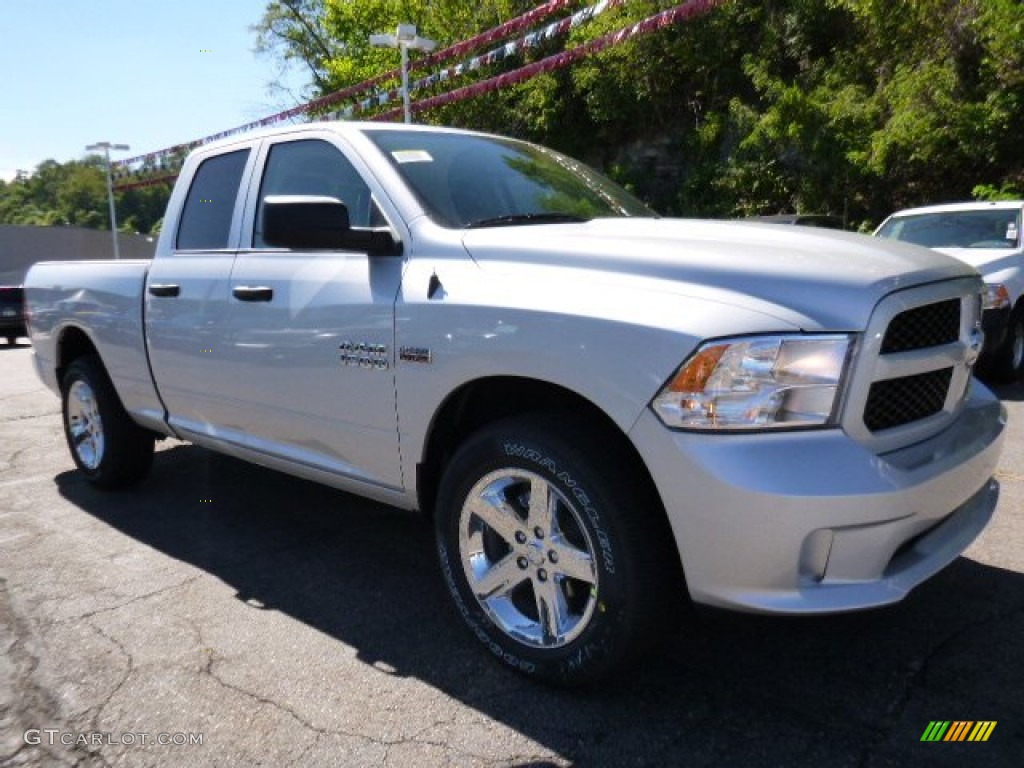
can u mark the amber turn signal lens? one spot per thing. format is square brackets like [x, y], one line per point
[693, 376]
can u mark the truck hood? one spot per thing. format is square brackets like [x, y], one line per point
[831, 280]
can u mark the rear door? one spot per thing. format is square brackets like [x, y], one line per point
[312, 357]
[187, 293]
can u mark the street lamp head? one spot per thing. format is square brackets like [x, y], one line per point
[405, 37]
[424, 44]
[106, 145]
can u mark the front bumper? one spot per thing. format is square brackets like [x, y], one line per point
[813, 522]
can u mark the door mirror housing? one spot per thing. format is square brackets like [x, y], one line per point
[320, 223]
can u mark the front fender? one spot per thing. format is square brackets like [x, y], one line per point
[613, 347]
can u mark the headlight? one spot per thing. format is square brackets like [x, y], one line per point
[758, 382]
[995, 296]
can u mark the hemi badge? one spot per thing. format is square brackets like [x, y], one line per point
[415, 355]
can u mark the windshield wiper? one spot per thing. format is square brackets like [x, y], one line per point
[518, 219]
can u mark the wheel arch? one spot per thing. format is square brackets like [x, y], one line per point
[479, 402]
[72, 344]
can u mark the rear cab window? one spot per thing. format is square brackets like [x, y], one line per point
[210, 204]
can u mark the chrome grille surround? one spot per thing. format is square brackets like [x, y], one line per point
[876, 374]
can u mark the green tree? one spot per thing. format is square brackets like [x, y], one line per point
[330, 38]
[75, 194]
[80, 195]
[851, 107]
[293, 31]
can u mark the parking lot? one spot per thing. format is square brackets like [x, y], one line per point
[222, 614]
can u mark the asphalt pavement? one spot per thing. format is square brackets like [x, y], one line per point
[225, 615]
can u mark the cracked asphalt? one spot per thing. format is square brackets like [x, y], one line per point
[292, 625]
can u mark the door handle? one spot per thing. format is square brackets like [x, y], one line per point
[252, 293]
[164, 289]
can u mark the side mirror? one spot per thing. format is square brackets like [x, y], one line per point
[317, 222]
[304, 221]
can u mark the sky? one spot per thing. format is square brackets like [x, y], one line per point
[147, 73]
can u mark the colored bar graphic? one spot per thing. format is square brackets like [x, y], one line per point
[982, 730]
[958, 730]
[935, 731]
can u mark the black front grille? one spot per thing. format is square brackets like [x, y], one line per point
[894, 402]
[929, 326]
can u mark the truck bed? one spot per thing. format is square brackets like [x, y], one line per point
[103, 299]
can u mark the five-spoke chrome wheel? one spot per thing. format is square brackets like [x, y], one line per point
[553, 546]
[85, 426]
[528, 558]
[107, 446]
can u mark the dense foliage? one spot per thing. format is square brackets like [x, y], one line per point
[851, 107]
[75, 194]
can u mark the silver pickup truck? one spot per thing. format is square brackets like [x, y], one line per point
[601, 410]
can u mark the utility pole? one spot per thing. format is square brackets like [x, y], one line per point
[405, 37]
[106, 146]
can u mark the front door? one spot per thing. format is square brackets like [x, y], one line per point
[312, 332]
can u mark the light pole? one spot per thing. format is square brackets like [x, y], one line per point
[106, 146]
[405, 37]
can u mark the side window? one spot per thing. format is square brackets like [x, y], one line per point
[206, 217]
[315, 167]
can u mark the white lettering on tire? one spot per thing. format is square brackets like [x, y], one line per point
[535, 456]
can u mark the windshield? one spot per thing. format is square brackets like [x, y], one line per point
[994, 228]
[472, 181]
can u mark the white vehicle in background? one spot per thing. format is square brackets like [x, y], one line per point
[988, 237]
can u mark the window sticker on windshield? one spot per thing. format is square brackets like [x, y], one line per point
[1011, 231]
[412, 156]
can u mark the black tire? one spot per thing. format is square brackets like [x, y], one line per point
[1008, 363]
[110, 449]
[601, 506]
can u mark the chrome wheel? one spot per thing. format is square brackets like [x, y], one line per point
[85, 426]
[556, 557]
[528, 558]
